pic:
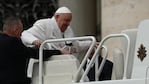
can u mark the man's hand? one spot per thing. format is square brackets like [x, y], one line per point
[37, 43]
[63, 51]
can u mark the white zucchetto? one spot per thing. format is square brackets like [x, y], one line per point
[63, 10]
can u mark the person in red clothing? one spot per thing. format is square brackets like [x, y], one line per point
[14, 55]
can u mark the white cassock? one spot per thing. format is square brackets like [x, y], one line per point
[45, 29]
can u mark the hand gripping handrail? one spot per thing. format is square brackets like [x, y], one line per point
[60, 40]
[98, 49]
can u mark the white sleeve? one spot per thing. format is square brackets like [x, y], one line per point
[27, 38]
[69, 32]
[84, 45]
[79, 45]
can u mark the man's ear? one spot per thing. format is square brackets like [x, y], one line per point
[56, 17]
[15, 29]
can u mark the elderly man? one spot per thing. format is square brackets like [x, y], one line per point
[53, 28]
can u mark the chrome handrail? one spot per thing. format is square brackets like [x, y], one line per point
[99, 70]
[146, 75]
[60, 40]
[98, 49]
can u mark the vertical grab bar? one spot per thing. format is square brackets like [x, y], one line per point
[60, 40]
[98, 49]
[98, 71]
[146, 75]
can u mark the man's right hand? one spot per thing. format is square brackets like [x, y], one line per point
[37, 43]
[63, 51]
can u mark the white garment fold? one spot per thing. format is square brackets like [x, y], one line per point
[45, 29]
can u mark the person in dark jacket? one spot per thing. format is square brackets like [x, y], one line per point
[14, 55]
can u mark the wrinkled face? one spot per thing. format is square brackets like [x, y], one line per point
[63, 20]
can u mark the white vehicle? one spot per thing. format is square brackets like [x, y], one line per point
[130, 66]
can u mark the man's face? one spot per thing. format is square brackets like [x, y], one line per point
[63, 20]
